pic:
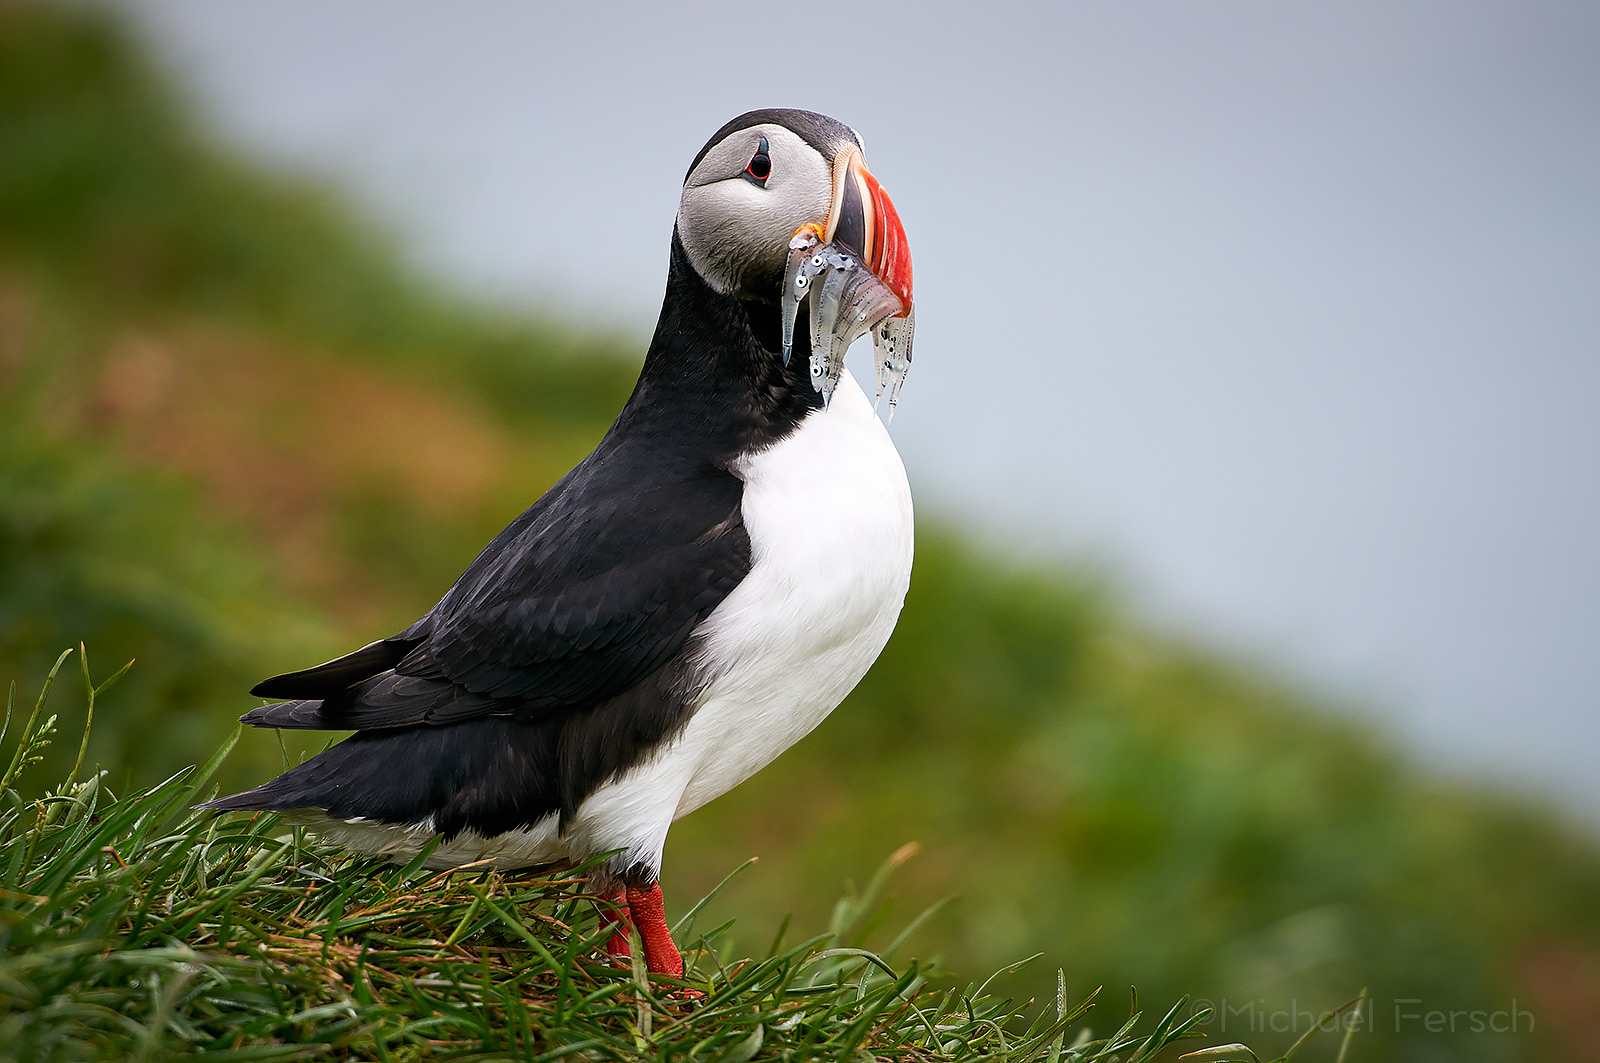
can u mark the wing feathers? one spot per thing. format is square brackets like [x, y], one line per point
[578, 601]
[290, 715]
[328, 679]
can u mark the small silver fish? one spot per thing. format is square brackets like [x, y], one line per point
[846, 303]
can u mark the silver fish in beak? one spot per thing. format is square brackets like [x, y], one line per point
[856, 275]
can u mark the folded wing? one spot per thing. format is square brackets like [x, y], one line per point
[579, 600]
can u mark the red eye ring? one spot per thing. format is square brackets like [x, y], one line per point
[759, 168]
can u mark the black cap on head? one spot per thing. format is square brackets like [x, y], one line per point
[818, 130]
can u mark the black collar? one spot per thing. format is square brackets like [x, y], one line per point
[714, 378]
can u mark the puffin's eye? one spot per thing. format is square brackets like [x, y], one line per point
[759, 167]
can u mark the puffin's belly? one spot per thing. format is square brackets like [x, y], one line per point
[828, 511]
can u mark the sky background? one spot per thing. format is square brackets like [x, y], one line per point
[1286, 316]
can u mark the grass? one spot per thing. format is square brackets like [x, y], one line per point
[236, 437]
[137, 927]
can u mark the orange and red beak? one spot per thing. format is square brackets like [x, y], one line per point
[863, 220]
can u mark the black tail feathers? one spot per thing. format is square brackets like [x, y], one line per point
[488, 775]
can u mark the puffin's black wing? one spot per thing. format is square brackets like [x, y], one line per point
[592, 589]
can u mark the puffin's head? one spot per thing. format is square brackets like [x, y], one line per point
[768, 174]
[775, 187]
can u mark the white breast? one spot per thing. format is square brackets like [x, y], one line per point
[828, 511]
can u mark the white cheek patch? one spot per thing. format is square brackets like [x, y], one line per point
[733, 227]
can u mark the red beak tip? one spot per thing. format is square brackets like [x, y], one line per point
[891, 252]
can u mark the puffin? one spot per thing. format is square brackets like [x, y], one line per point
[691, 599]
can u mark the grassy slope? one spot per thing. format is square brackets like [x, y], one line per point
[138, 928]
[216, 401]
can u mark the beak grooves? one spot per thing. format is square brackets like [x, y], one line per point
[887, 253]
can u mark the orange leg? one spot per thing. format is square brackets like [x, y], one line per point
[660, 954]
[617, 945]
[639, 907]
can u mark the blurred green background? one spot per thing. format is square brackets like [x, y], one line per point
[237, 436]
